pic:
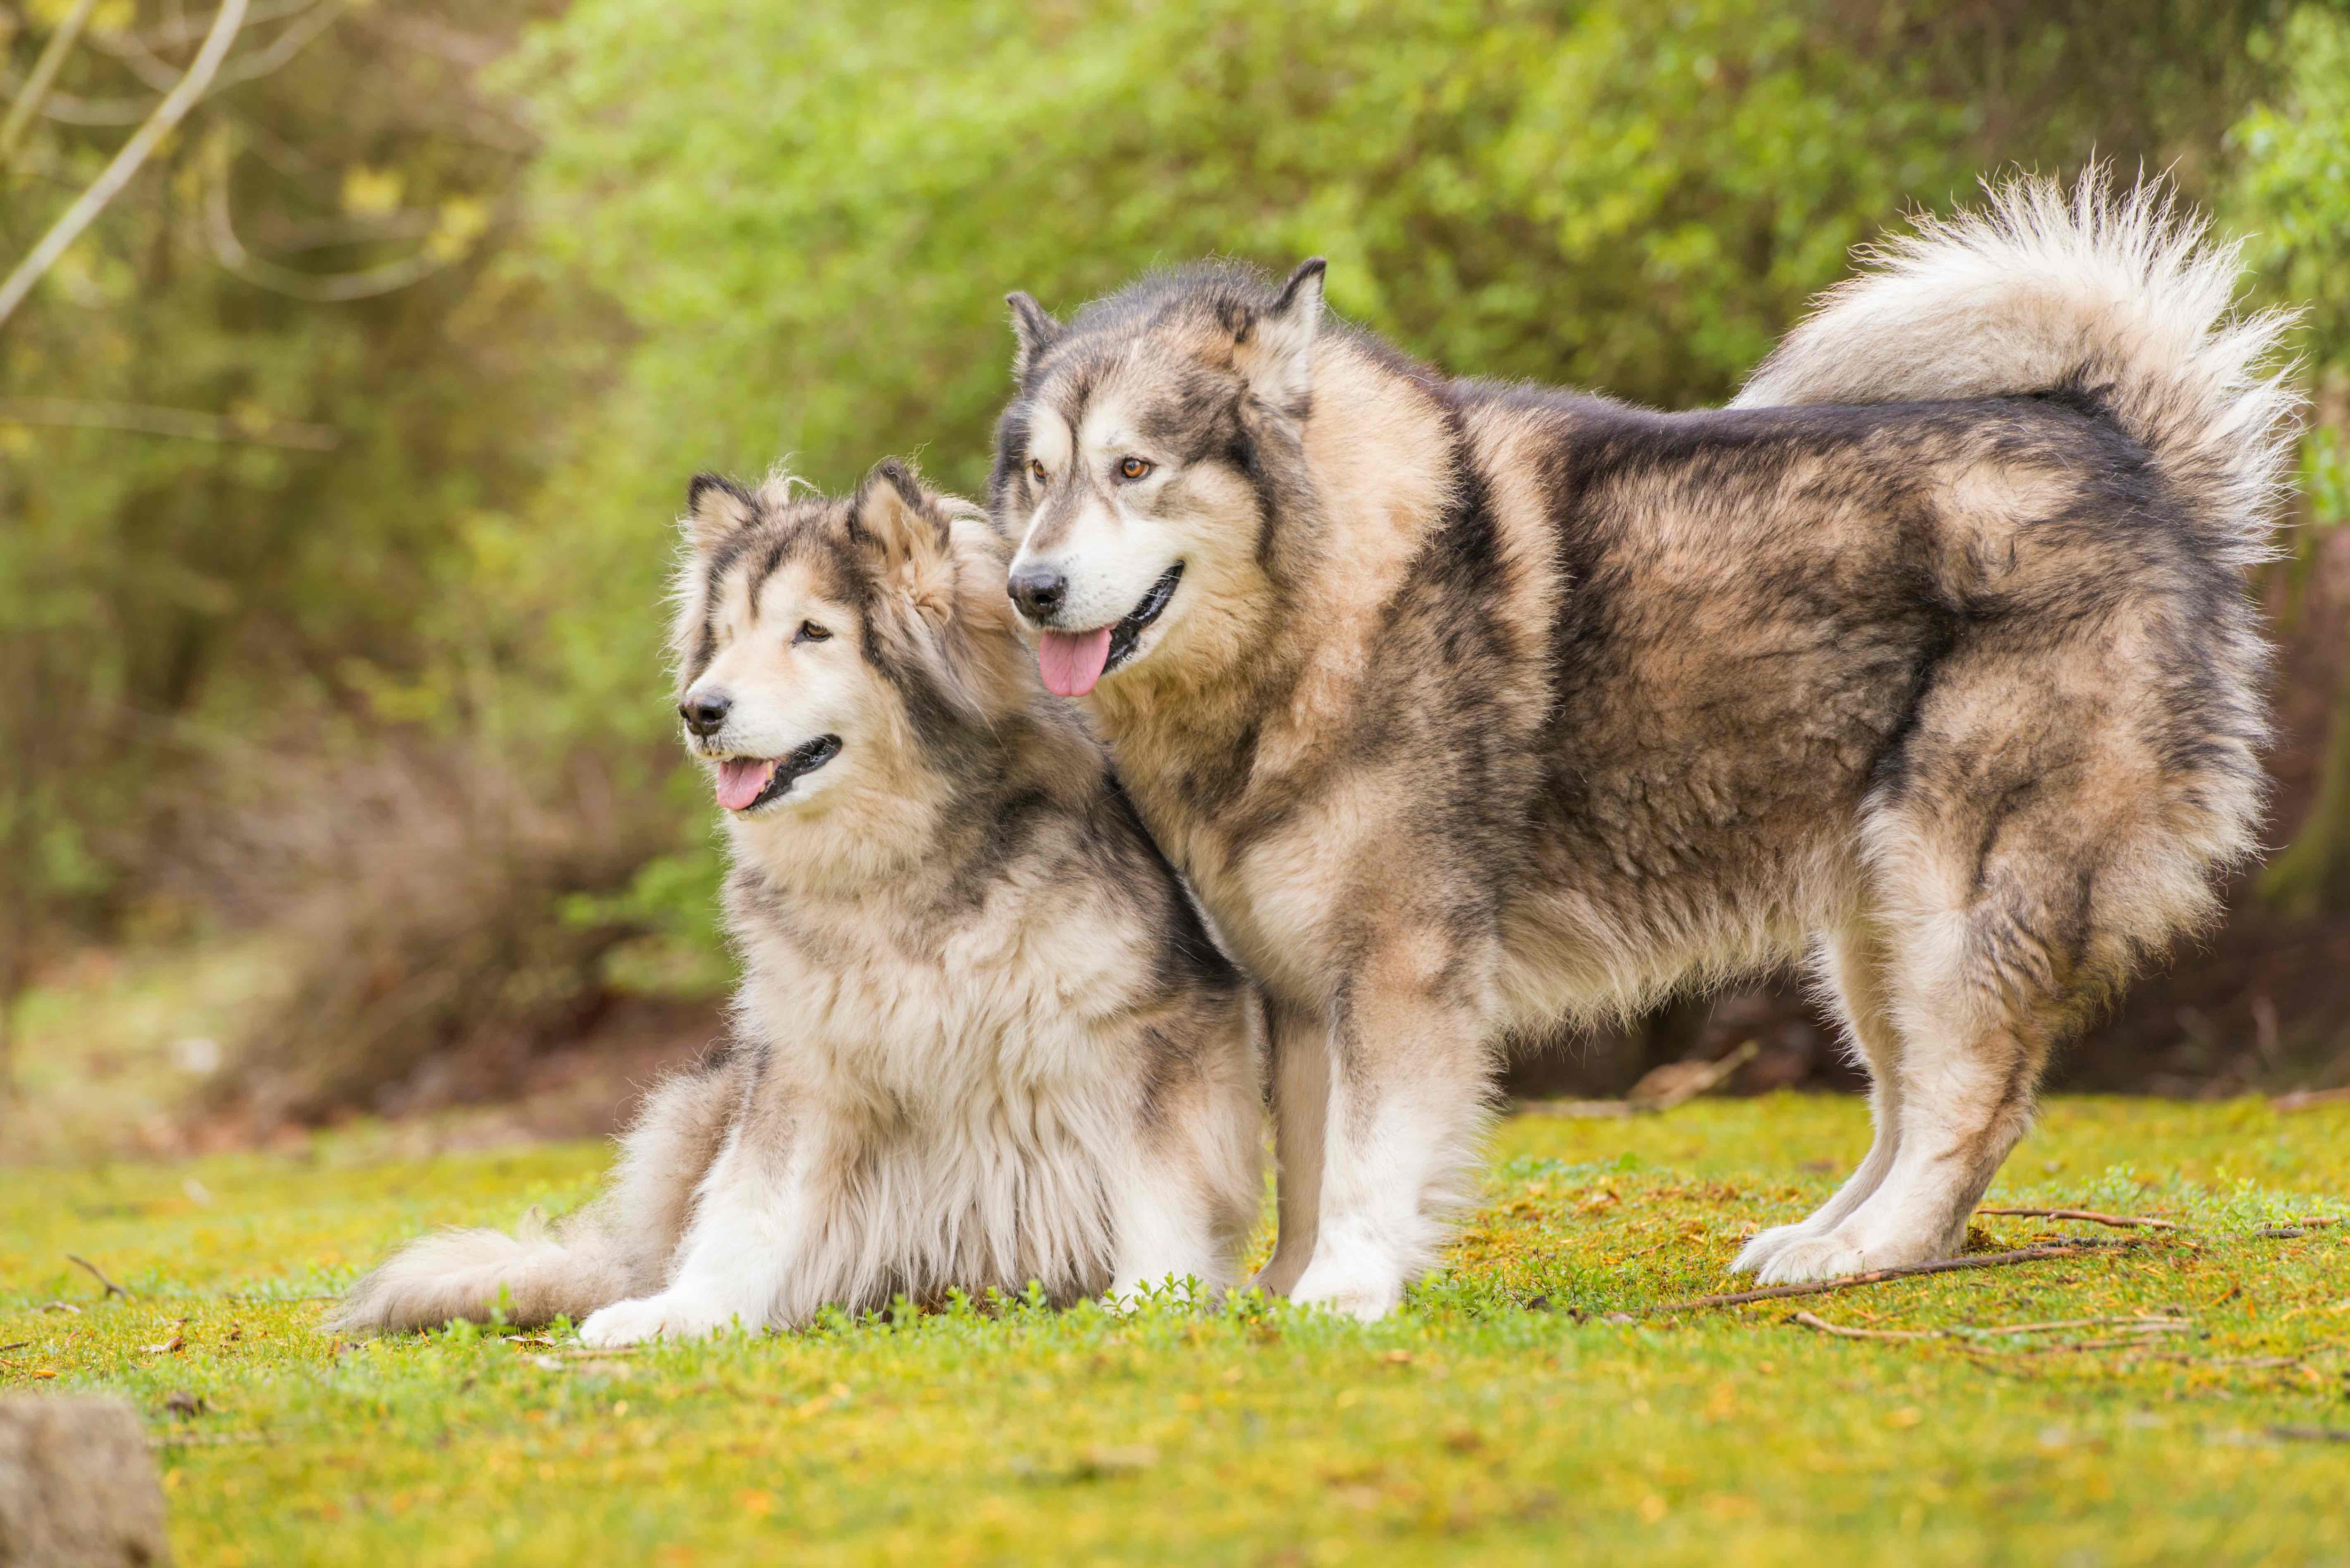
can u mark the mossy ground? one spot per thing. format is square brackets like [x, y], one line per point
[1500, 1417]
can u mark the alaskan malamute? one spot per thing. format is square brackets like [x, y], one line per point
[1468, 706]
[981, 1039]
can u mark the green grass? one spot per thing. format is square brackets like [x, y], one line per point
[1502, 1418]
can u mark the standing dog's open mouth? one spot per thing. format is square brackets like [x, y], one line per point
[746, 783]
[1073, 662]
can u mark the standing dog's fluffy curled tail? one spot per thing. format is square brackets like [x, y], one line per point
[2119, 297]
[621, 1245]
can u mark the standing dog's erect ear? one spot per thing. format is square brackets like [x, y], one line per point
[1276, 350]
[1035, 330]
[715, 506]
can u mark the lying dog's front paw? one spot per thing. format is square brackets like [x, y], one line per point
[651, 1317]
[1365, 1295]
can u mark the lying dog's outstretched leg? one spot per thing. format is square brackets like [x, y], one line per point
[1408, 1101]
[1301, 1105]
[750, 1223]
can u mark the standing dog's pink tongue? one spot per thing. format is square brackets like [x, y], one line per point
[1071, 663]
[740, 780]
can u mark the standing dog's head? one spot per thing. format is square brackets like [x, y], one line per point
[829, 647]
[1141, 465]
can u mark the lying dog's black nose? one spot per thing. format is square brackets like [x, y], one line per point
[1038, 591]
[704, 712]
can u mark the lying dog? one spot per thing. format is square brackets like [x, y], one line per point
[1467, 707]
[981, 1039]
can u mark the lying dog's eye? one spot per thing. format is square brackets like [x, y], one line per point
[1037, 467]
[810, 632]
[1135, 468]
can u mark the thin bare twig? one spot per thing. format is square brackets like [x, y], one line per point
[1846, 1331]
[1576, 1108]
[1881, 1276]
[1701, 1078]
[100, 1275]
[45, 71]
[144, 419]
[2090, 1215]
[220, 233]
[18, 1344]
[143, 142]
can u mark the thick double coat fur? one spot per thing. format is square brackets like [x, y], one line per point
[1467, 707]
[981, 1039]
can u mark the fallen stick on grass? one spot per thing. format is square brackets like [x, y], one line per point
[2303, 1099]
[1880, 1276]
[2091, 1215]
[2143, 1328]
[2145, 1324]
[100, 1275]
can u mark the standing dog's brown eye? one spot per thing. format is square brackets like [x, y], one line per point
[1037, 467]
[810, 632]
[1135, 468]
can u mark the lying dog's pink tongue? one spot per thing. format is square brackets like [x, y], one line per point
[1072, 662]
[740, 780]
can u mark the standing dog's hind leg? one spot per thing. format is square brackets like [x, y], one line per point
[1851, 967]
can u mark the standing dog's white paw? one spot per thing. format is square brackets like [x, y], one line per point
[663, 1316]
[1768, 1244]
[1802, 1259]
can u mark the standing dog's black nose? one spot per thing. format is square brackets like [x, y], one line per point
[1038, 591]
[704, 712]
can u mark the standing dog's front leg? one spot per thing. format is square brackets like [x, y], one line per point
[1301, 1104]
[1407, 1098]
[751, 1217]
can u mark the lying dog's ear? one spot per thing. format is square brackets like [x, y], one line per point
[938, 564]
[1034, 328]
[715, 506]
[1275, 349]
[907, 536]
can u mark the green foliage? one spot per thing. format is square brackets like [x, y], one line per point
[2291, 190]
[1602, 194]
[302, 574]
[2291, 195]
[811, 213]
[1500, 1417]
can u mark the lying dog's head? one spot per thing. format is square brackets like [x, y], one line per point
[1140, 466]
[827, 648]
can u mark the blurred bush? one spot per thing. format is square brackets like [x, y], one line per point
[674, 235]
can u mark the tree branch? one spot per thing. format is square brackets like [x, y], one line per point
[45, 71]
[143, 142]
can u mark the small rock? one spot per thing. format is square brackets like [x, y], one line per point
[77, 1489]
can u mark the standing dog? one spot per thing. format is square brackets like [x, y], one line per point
[982, 1038]
[1465, 706]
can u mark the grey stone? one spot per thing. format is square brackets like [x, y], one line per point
[77, 1488]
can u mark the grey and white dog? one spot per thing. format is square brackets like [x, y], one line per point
[982, 1038]
[1466, 707]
